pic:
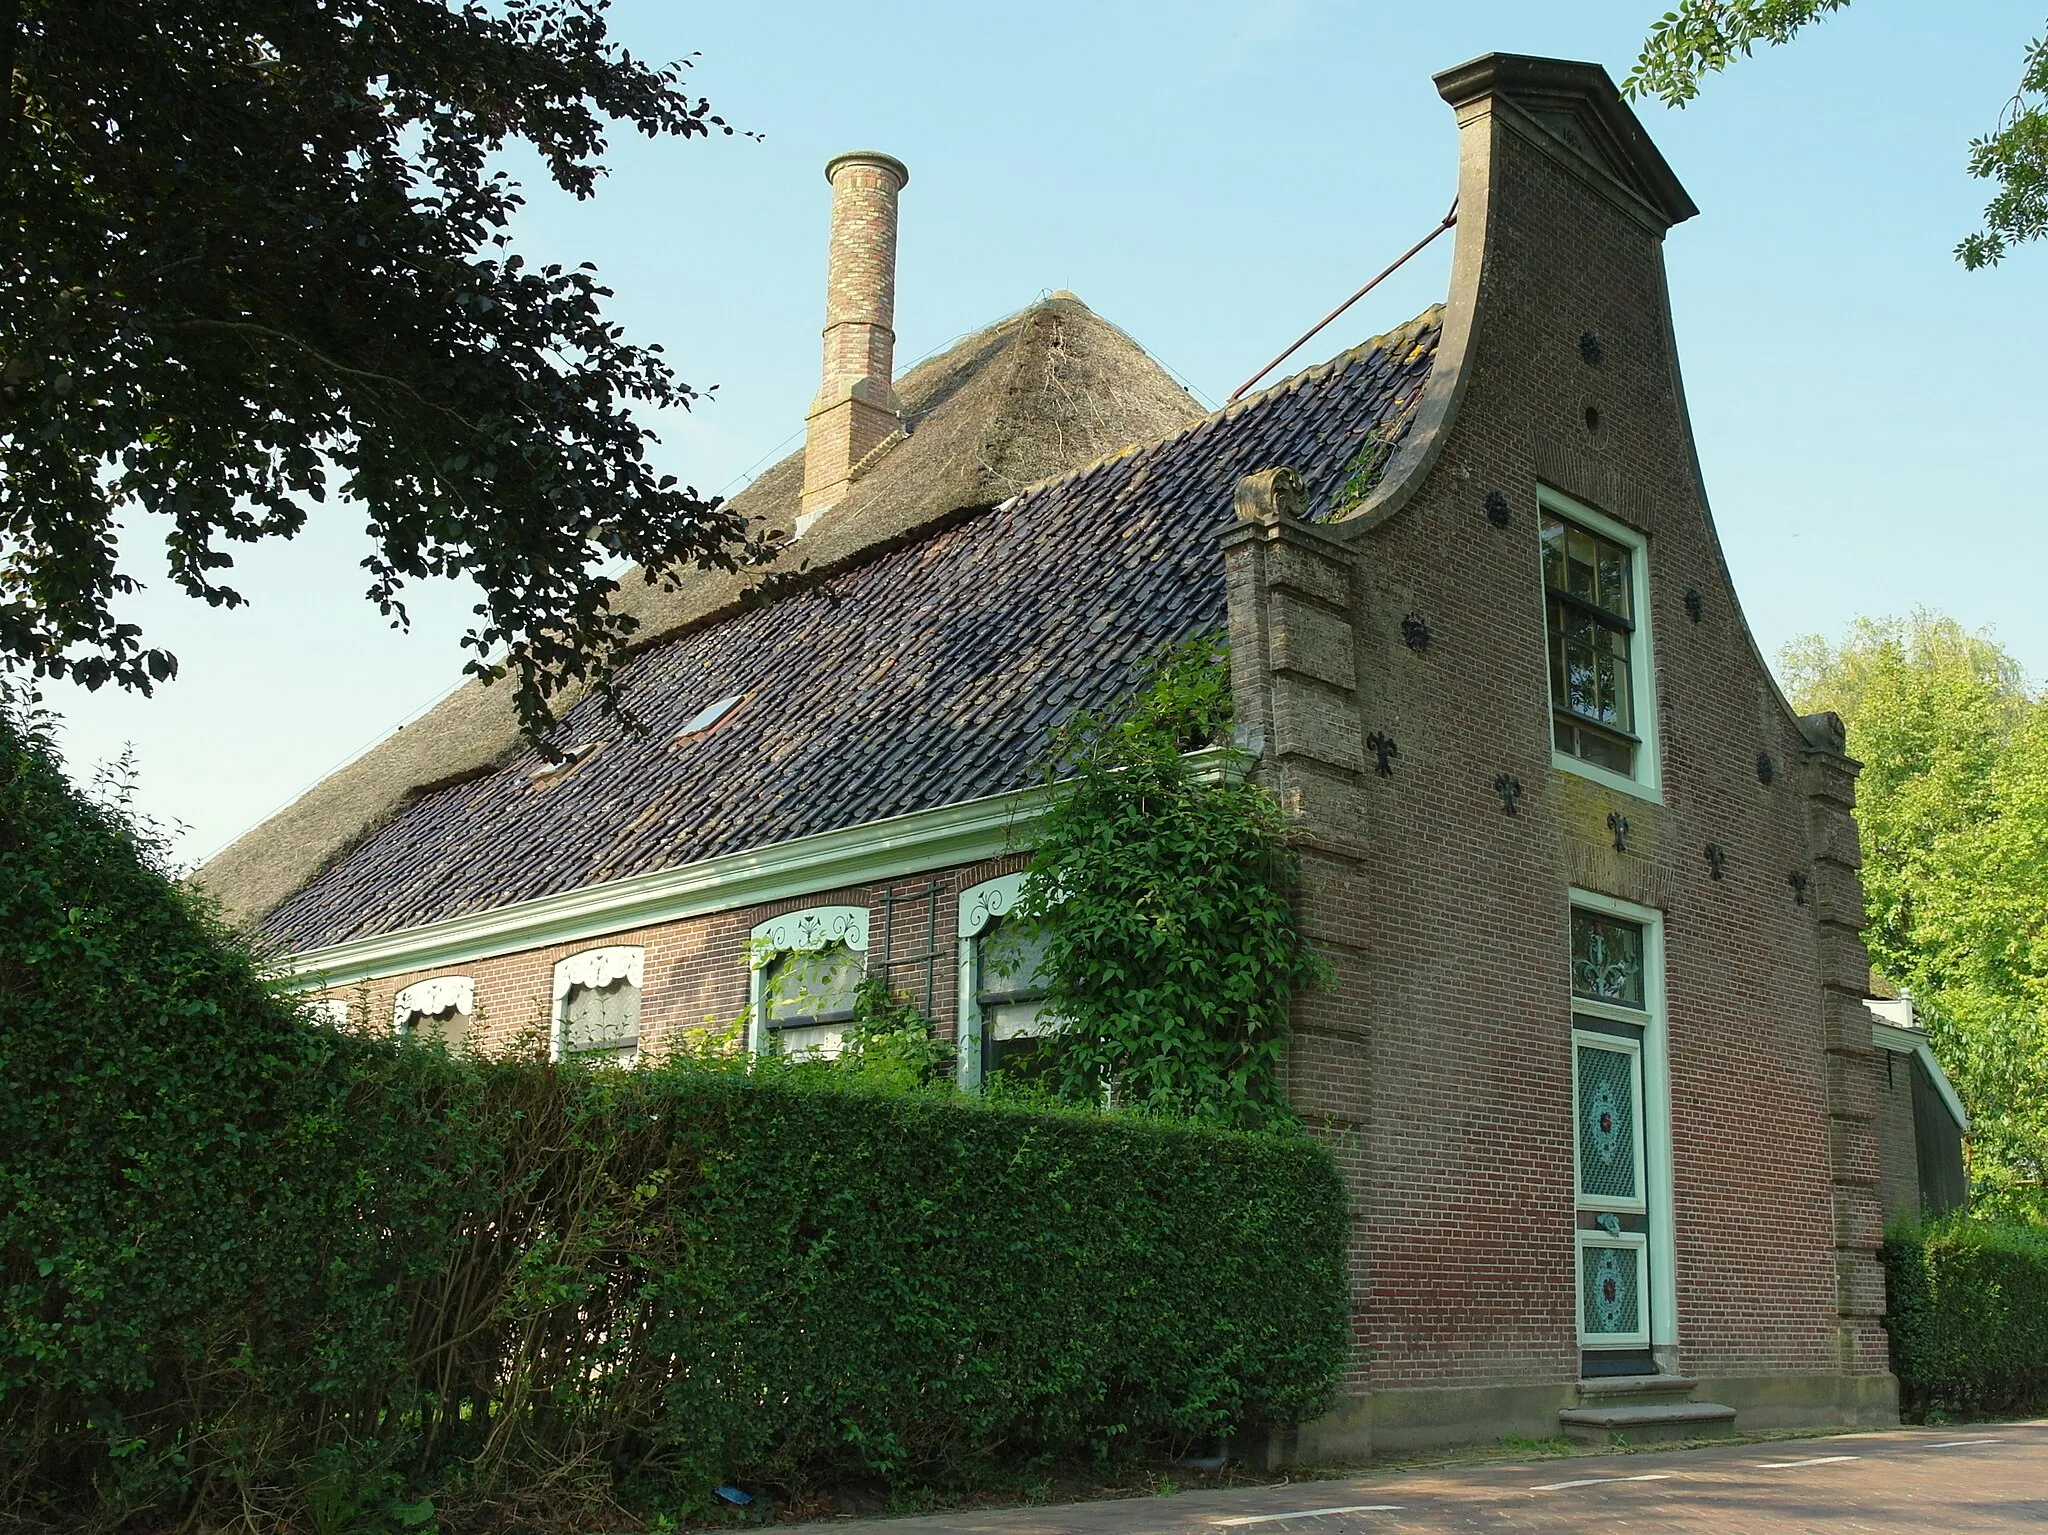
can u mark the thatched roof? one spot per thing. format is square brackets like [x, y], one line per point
[926, 674]
[1033, 396]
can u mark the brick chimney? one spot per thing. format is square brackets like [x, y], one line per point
[856, 410]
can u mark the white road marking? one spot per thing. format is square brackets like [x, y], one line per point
[1307, 1513]
[1952, 1444]
[1818, 1460]
[1595, 1481]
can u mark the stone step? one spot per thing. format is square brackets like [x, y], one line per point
[1642, 1422]
[1635, 1388]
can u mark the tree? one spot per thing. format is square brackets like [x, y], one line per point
[1952, 808]
[1703, 37]
[256, 254]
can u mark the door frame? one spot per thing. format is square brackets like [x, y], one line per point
[1662, 1244]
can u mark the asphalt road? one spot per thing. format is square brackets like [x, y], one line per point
[1928, 1481]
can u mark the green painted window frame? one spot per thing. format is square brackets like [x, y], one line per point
[811, 929]
[1644, 778]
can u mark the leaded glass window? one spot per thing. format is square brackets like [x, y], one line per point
[602, 1022]
[449, 1026]
[1611, 1302]
[1010, 988]
[1610, 1119]
[1589, 603]
[1607, 958]
[809, 995]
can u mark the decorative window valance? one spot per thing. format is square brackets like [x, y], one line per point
[815, 927]
[431, 998]
[599, 968]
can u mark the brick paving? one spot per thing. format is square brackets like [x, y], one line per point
[1986, 1477]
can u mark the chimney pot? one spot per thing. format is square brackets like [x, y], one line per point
[856, 410]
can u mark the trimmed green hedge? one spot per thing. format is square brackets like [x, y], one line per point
[1968, 1316]
[252, 1268]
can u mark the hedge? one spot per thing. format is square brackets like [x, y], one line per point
[1968, 1316]
[252, 1269]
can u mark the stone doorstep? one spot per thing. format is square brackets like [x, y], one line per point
[1608, 1388]
[1646, 1422]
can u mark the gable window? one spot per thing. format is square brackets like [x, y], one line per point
[438, 1009]
[597, 1005]
[1596, 629]
[1002, 986]
[807, 968]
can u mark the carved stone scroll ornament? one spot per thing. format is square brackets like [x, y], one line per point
[430, 999]
[1271, 493]
[598, 968]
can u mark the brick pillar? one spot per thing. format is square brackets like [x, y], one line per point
[1294, 683]
[1835, 889]
[856, 409]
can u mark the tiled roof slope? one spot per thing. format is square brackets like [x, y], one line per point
[1034, 395]
[931, 675]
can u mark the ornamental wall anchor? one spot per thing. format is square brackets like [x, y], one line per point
[1695, 604]
[1618, 824]
[1384, 752]
[1717, 859]
[1590, 348]
[1799, 881]
[1498, 512]
[1415, 632]
[1509, 788]
[1766, 769]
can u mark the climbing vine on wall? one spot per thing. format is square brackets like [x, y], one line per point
[1165, 892]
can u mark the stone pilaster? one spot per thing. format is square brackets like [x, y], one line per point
[1294, 658]
[1835, 890]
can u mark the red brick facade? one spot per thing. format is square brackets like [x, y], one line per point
[1445, 1054]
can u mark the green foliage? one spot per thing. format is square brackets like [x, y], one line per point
[890, 1044]
[1703, 37]
[1367, 465]
[1968, 1316]
[258, 1272]
[1952, 808]
[1165, 897]
[257, 254]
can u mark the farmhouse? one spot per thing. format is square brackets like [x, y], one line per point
[1597, 1064]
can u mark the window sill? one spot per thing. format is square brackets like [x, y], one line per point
[1606, 777]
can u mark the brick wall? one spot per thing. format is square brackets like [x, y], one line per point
[1898, 1176]
[1442, 1064]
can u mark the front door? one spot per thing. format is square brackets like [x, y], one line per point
[1611, 1178]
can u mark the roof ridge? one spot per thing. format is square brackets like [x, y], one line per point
[1327, 368]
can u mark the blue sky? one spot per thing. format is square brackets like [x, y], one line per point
[1213, 178]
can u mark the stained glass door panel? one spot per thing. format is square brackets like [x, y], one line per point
[1607, 1100]
[1614, 1302]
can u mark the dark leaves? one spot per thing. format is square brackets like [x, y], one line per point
[257, 258]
